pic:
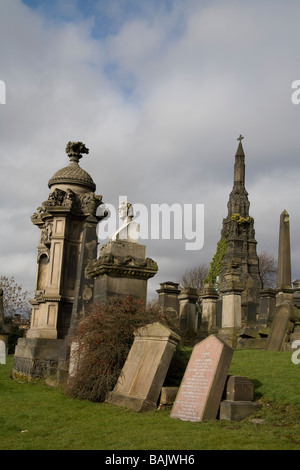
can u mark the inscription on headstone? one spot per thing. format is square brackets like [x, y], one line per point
[204, 380]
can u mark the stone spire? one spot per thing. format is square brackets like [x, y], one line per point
[239, 166]
[239, 266]
[238, 199]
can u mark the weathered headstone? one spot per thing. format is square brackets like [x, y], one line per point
[239, 389]
[239, 394]
[145, 369]
[280, 326]
[201, 389]
[2, 352]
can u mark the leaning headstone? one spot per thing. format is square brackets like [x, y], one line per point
[201, 389]
[239, 389]
[145, 369]
[239, 396]
[280, 327]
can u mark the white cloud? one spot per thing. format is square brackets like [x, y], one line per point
[159, 100]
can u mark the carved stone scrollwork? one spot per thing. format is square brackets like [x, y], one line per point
[46, 233]
[81, 204]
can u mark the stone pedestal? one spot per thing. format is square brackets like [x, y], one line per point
[36, 357]
[188, 316]
[209, 298]
[168, 296]
[237, 410]
[267, 305]
[145, 369]
[121, 270]
[231, 309]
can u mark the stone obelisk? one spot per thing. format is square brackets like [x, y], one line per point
[284, 272]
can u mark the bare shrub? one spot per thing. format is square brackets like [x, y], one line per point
[103, 338]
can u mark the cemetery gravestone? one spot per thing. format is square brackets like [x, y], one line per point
[145, 369]
[201, 389]
[2, 352]
[282, 316]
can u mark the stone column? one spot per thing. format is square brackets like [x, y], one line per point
[232, 309]
[267, 305]
[209, 298]
[284, 276]
[168, 296]
[187, 309]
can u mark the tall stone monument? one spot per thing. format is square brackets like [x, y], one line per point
[122, 268]
[239, 266]
[61, 219]
[284, 272]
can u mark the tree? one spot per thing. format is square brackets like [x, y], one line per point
[268, 269]
[194, 277]
[15, 300]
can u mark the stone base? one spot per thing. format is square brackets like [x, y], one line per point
[121, 270]
[236, 410]
[168, 395]
[130, 401]
[35, 357]
[229, 335]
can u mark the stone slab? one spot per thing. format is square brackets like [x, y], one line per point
[237, 410]
[239, 388]
[202, 386]
[168, 395]
[3, 352]
[145, 369]
[280, 326]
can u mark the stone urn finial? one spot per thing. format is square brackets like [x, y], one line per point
[75, 151]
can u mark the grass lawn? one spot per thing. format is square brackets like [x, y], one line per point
[34, 416]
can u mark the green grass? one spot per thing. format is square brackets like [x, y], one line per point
[34, 416]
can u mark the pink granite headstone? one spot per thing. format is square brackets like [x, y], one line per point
[202, 386]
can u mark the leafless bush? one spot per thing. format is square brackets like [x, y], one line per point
[103, 339]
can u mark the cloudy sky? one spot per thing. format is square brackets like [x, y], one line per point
[159, 91]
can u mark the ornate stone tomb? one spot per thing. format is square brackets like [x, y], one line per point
[201, 389]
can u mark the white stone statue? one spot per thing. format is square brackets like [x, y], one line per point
[129, 231]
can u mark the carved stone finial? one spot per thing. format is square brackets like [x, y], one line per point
[240, 138]
[75, 151]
